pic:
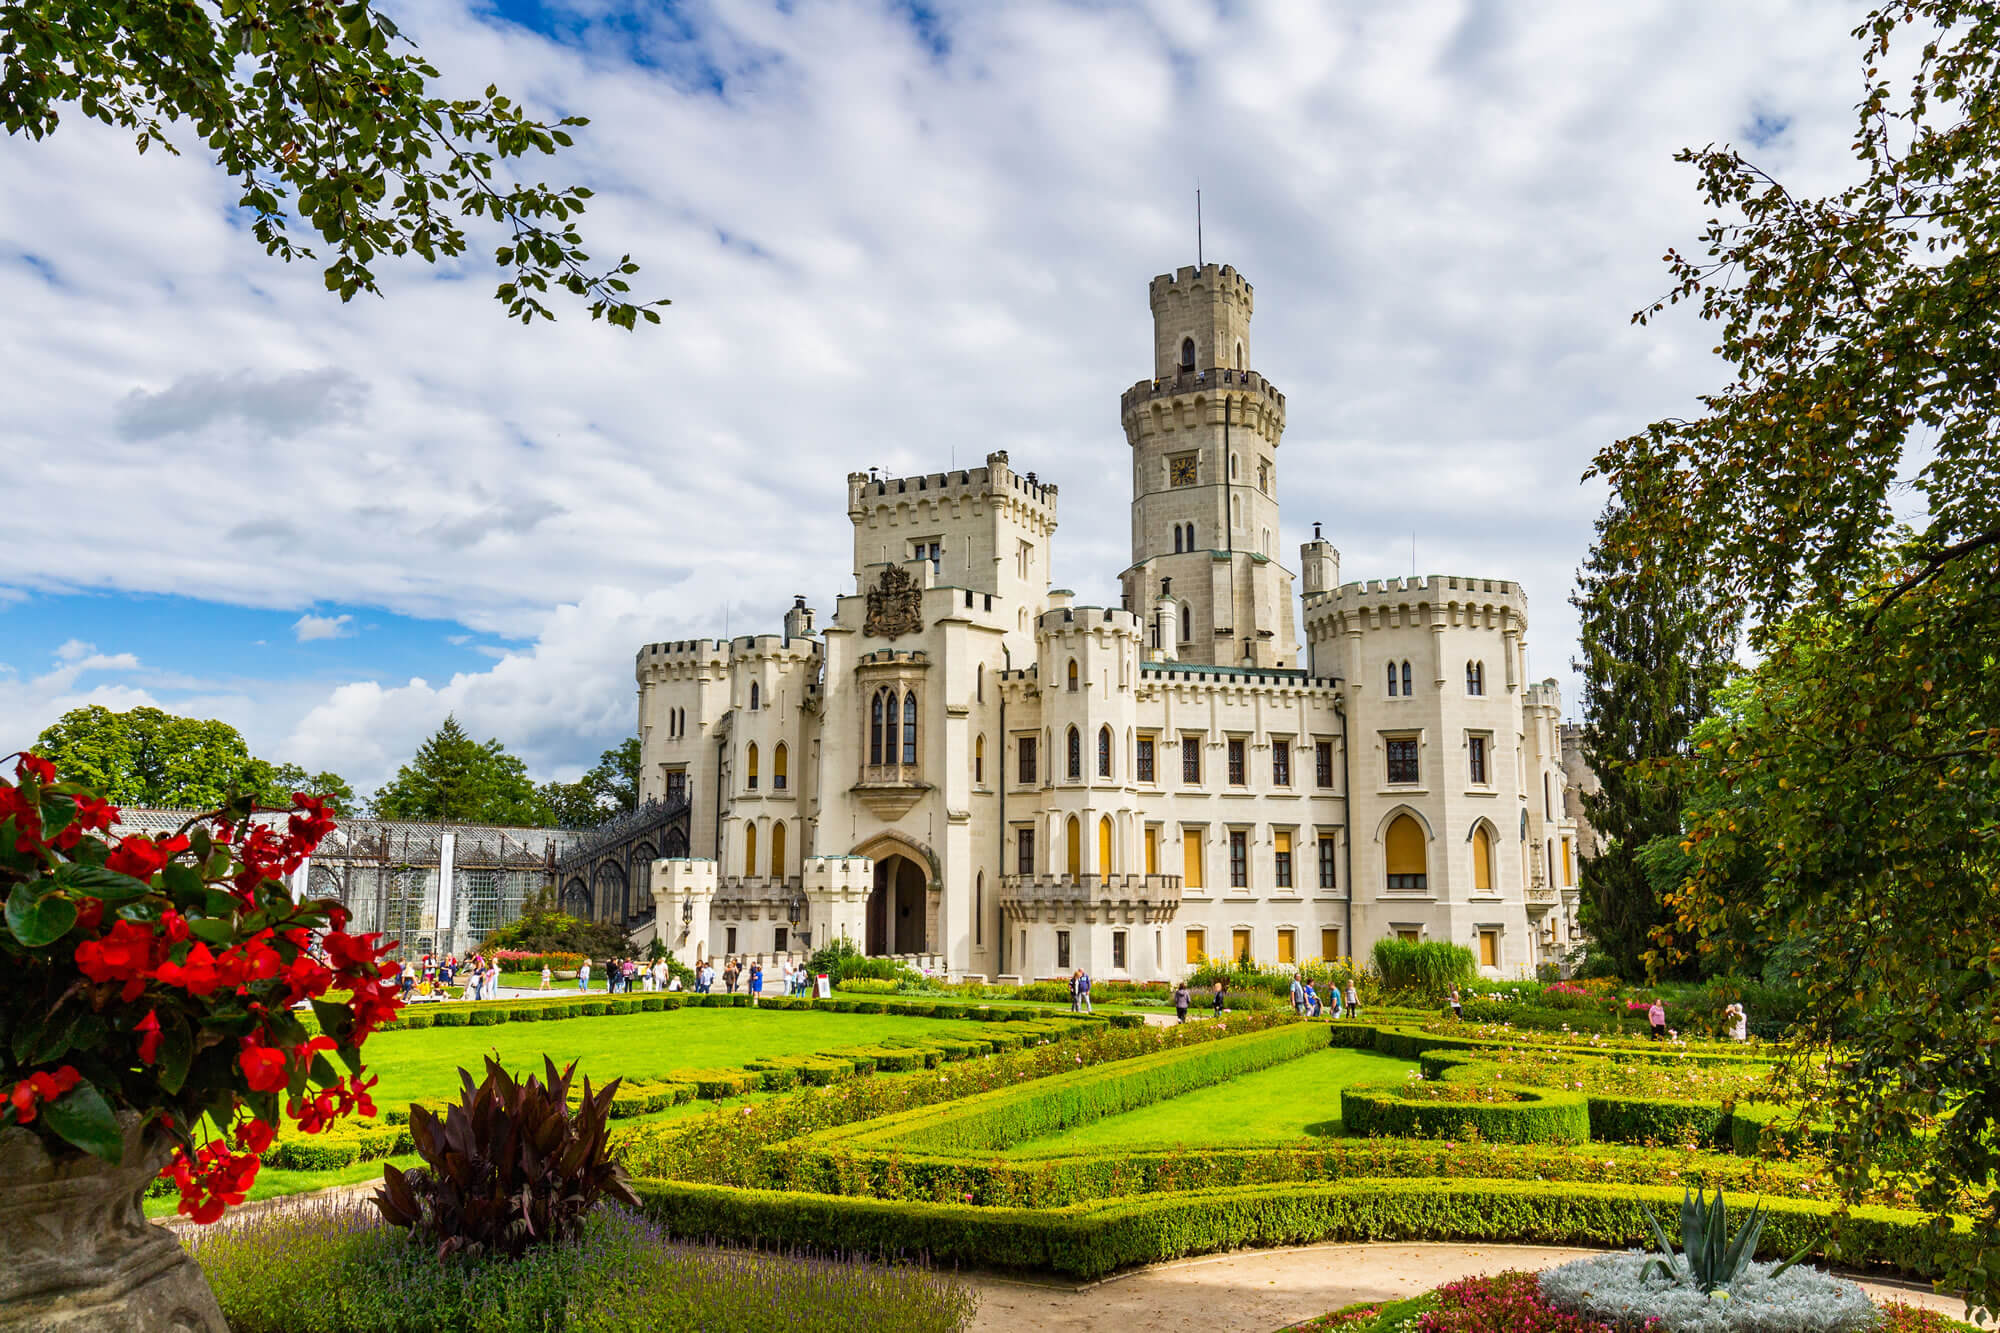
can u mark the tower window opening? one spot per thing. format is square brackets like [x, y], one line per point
[1104, 752]
[1187, 354]
[1406, 678]
[754, 696]
[875, 732]
[1177, 538]
[1075, 755]
[1072, 675]
[1392, 680]
[1239, 355]
[780, 765]
[909, 729]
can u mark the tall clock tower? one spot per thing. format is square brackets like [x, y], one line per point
[1204, 432]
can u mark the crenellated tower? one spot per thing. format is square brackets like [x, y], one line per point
[1204, 432]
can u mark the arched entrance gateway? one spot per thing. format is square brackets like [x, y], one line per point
[902, 907]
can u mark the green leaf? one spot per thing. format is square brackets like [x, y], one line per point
[105, 885]
[335, 1020]
[85, 1120]
[38, 919]
[176, 1053]
[210, 930]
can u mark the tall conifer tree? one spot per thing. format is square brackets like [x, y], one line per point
[1654, 652]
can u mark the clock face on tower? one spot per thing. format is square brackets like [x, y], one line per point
[1180, 471]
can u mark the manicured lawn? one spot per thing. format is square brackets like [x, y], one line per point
[1282, 1104]
[425, 1062]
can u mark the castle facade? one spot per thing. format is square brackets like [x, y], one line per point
[966, 768]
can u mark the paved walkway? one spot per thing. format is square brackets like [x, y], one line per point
[1256, 1291]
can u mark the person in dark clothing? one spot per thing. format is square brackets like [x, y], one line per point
[1218, 999]
[1181, 1001]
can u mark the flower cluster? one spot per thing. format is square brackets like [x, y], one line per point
[1511, 1301]
[167, 975]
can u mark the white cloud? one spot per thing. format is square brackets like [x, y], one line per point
[309, 627]
[881, 252]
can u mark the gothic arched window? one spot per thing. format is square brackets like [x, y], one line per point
[1075, 755]
[750, 767]
[754, 695]
[910, 728]
[778, 767]
[1177, 538]
[1187, 354]
[1406, 678]
[875, 731]
[1072, 675]
[1392, 680]
[893, 743]
[1104, 752]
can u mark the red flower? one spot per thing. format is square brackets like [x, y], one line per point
[198, 975]
[39, 1087]
[136, 856]
[36, 767]
[89, 915]
[253, 1136]
[263, 1068]
[148, 1029]
[92, 813]
[126, 954]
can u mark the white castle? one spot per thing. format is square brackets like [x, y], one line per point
[967, 769]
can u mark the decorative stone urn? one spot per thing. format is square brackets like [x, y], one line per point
[76, 1250]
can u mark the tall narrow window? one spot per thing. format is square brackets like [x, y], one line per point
[1072, 675]
[1191, 759]
[910, 729]
[1152, 849]
[1326, 862]
[1191, 858]
[1145, 764]
[1404, 855]
[1239, 859]
[1075, 751]
[1476, 755]
[979, 760]
[1187, 354]
[1402, 755]
[1187, 622]
[779, 764]
[750, 767]
[1177, 538]
[1235, 762]
[1024, 852]
[979, 908]
[1323, 763]
[1475, 678]
[1282, 841]
[979, 683]
[1197, 945]
[1190, 536]
[1104, 752]
[1569, 864]
[1118, 950]
[1281, 763]
[1406, 678]
[1392, 680]
[753, 696]
[778, 849]
[1104, 846]
[1482, 860]
[1062, 950]
[875, 731]
[749, 848]
[1024, 763]
[894, 744]
[1489, 948]
[1329, 943]
[1073, 846]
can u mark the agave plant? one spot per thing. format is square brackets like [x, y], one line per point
[1710, 1261]
[512, 1165]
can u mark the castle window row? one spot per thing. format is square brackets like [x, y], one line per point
[1145, 760]
[780, 767]
[1237, 839]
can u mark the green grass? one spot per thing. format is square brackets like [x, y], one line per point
[424, 1062]
[1282, 1104]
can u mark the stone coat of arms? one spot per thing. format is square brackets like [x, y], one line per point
[895, 606]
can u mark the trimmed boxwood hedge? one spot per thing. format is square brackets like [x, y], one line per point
[1614, 1117]
[1089, 1241]
[997, 1119]
[1543, 1115]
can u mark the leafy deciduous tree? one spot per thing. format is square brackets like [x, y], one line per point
[147, 756]
[611, 788]
[1844, 489]
[453, 777]
[321, 111]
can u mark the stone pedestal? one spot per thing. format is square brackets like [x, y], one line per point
[78, 1251]
[683, 893]
[837, 889]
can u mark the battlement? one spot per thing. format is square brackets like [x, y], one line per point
[1216, 379]
[1210, 279]
[1430, 590]
[886, 655]
[994, 481]
[1072, 619]
[1234, 677]
[711, 650]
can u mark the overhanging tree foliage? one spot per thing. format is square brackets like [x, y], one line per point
[1843, 489]
[1654, 651]
[323, 113]
[611, 788]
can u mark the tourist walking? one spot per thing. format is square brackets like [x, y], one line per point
[1657, 1016]
[1073, 1000]
[1457, 1005]
[1353, 1001]
[730, 972]
[1312, 1001]
[1739, 1022]
[1218, 999]
[583, 975]
[546, 974]
[756, 983]
[1298, 996]
[1083, 989]
[1181, 1001]
[493, 978]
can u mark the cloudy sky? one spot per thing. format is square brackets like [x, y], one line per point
[894, 234]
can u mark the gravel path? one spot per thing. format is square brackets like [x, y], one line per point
[1256, 1291]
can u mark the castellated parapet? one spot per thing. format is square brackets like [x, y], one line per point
[873, 499]
[1209, 306]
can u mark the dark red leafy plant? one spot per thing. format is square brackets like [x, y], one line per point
[162, 976]
[510, 1166]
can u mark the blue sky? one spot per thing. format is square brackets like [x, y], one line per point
[895, 235]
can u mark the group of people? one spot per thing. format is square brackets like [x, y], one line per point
[432, 977]
[1079, 992]
[1306, 1001]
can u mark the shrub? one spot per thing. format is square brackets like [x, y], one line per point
[840, 961]
[1423, 967]
[333, 1268]
[509, 1166]
[869, 985]
[593, 1008]
[1540, 1115]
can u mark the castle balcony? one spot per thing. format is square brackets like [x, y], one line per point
[1196, 381]
[1091, 899]
[1541, 896]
